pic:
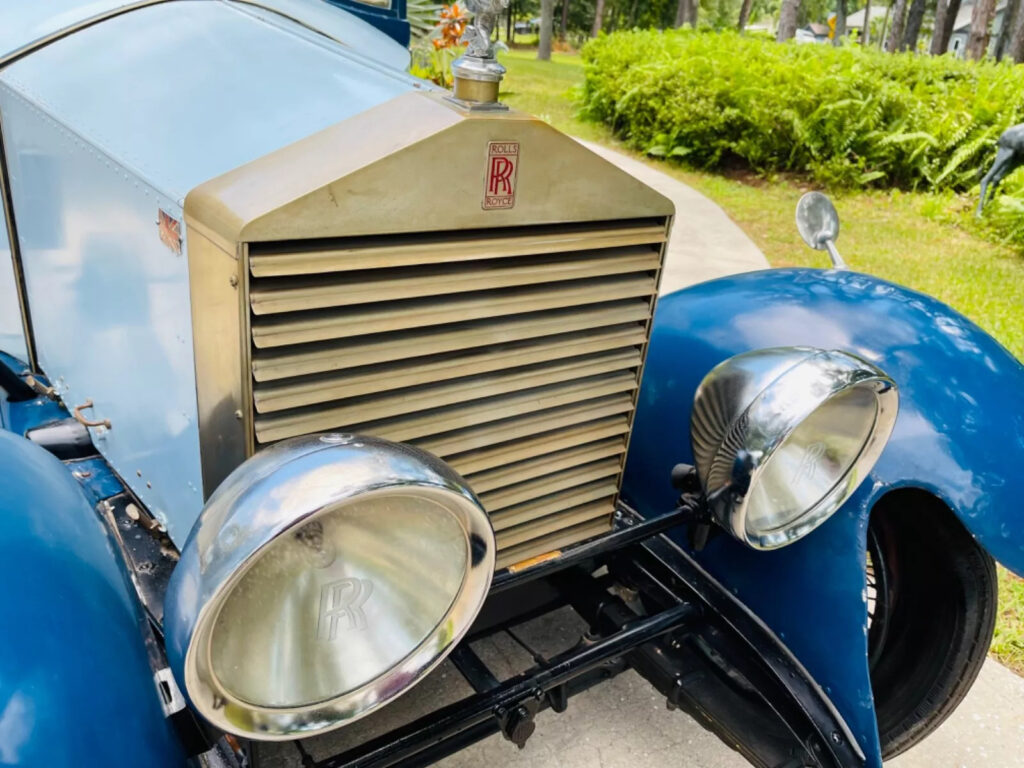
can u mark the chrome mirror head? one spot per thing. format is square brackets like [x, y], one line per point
[325, 576]
[783, 436]
[817, 220]
[818, 223]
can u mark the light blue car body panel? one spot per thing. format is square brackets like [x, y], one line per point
[110, 305]
[12, 333]
[355, 35]
[28, 25]
[178, 93]
[959, 435]
[76, 688]
[114, 123]
[25, 23]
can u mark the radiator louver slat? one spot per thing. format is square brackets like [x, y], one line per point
[522, 471]
[548, 442]
[510, 555]
[549, 505]
[571, 414]
[426, 398]
[374, 286]
[279, 331]
[514, 354]
[410, 428]
[408, 250]
[542, 486]
[558, 522]
[274, 364]
[420, 371]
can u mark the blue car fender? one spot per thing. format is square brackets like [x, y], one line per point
[959, 435]
[76, 687]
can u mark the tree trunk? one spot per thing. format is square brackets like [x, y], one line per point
[981, 20]
[787, 20]
[547, 21]
[885, 25]
[865, 33]
[598, 14]
[840, 31]
[1016, 50]
[952, 11]
[899, 13]
[564, 26]
[686, 13]
[1006, 31]
[939, 41]
[745, 8]
[914, 19]
[632, 14]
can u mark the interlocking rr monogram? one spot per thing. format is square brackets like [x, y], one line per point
[342, 600]
[810, 463]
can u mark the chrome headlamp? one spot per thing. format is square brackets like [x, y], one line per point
[783, 436]
[325, 576]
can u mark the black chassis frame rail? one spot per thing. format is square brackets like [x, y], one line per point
[693, 640]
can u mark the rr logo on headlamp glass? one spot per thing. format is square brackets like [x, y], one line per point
[810, 463]
[341, 607]
[500, 179]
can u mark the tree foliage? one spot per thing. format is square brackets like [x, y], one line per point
[845, 116]
[908, 24]
[617, 15]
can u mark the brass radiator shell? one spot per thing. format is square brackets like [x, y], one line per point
[352, 281]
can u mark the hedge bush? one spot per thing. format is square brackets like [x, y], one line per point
[845, 116]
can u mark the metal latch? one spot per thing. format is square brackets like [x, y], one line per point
[167, 689]
[77, 413]
[40, 388]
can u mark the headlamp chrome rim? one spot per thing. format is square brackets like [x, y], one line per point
[782, 390]
[197, 595]
[827, 505]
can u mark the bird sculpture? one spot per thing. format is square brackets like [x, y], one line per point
[1009, 157]
[485, 19]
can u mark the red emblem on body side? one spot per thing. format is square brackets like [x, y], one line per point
[500, 179]
[170, 230]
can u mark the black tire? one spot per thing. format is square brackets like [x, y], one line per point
[933, 616]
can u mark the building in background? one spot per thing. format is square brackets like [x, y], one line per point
[962, 29]
[813, 33]
[855, 21]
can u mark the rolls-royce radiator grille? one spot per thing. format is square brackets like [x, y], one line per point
[514, 354]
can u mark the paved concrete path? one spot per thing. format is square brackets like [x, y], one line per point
[705, 243]
[624, 723]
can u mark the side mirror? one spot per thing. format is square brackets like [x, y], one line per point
[818, 224]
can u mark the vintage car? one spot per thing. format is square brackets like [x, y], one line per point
[315, 376]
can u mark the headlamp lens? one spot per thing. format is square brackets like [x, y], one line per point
[812, 461]
[328, 607]
[783, 436]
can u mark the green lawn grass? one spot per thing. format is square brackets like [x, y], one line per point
[903, 237]
[545, 89]
[1008, 643]
[907, 238]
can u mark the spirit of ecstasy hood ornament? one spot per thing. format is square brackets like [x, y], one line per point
[477, 72]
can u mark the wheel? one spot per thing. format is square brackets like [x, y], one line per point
[931, 611]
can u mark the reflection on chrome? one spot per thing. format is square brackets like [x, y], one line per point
[326, 576]
[783, 436]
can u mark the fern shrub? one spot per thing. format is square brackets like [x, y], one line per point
[844, 116]
[1005, 216]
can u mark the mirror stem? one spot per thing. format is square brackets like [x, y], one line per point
[837, 260]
